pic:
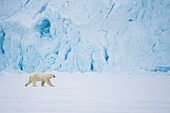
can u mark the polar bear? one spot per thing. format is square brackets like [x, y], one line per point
[43, 77]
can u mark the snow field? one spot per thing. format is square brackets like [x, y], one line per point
[86, 93]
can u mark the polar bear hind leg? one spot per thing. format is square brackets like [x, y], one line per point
[34, 83]
[29, 82]
[42, 83]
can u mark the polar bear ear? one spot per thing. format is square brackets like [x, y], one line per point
[51, 74]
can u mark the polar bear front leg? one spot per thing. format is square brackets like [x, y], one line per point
[42, 83]
[49, 83]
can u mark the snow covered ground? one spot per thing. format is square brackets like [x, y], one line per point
[86, 93]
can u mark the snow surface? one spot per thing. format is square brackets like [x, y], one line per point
[85, 35]
[86, 93]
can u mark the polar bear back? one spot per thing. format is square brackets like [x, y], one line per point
[40, 76]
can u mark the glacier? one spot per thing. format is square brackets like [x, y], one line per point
[85, 36]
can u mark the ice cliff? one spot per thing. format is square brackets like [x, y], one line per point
[85, 35]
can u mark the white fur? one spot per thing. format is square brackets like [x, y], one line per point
[43, 77]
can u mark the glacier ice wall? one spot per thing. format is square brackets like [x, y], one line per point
[85, 35]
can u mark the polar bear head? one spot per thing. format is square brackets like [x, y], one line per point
[51, 76]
